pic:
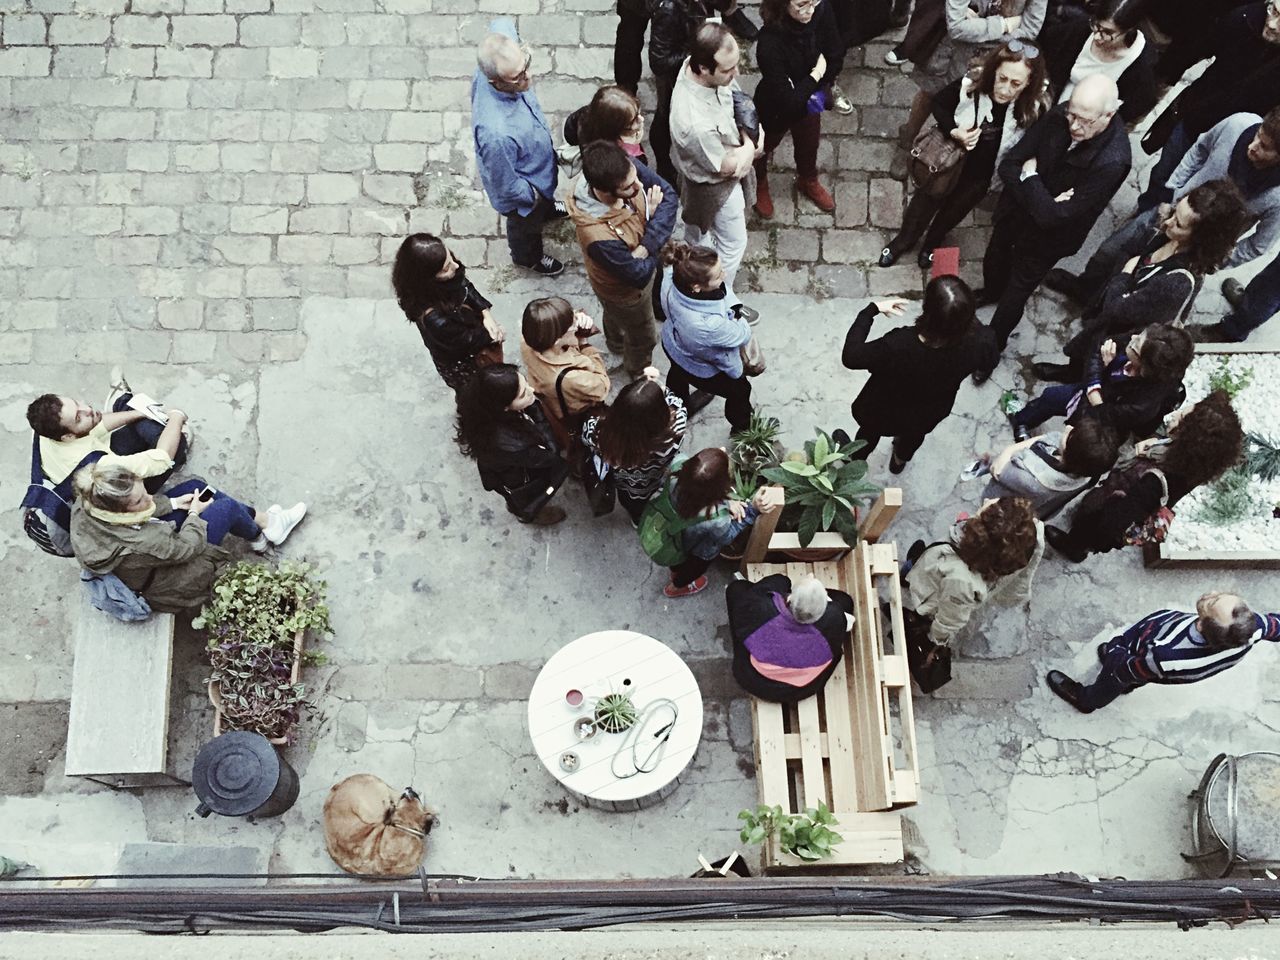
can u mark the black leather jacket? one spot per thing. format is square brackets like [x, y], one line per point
[671, 31]
[453, 335]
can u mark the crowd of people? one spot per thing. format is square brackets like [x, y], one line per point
[1025, 98]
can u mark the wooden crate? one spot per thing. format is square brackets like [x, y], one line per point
[806, 752]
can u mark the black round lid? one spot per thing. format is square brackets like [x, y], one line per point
[236, 773]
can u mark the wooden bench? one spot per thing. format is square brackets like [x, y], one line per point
[852, 745]
[118, 731]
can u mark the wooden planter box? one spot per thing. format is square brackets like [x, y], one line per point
[765, 539]
[1165, 555]
[215, 688]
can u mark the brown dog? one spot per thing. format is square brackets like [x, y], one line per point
[369, 832]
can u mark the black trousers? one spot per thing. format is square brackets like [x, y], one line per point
[660, 130]
[687, 571]
[934, 217]
[1014, 265]
[736, 393]
[633, 19]
[904, 445]
[524, 233]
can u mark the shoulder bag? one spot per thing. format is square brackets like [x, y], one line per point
[596, 475]
[937, 159]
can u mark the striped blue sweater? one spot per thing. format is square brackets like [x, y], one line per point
[1166, 647]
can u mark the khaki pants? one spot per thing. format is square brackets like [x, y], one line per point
[631, 331]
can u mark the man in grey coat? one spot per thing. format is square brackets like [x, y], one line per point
[1245, 149]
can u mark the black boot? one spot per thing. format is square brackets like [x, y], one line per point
[1068, 689]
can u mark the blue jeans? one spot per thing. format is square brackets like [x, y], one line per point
[1261, 303]
[140, 436]
[1171, 155]
[1107, 685]
[225, 515]
[1052, 402]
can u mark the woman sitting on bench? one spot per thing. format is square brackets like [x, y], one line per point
[166, 547]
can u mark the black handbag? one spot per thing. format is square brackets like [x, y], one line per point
[745, 115]
[1157, 136]
[929, 662]
[596, 475]
[536, 492]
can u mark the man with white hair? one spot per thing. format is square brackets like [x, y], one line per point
[514, 151]
[1057, 180]
[787, 638]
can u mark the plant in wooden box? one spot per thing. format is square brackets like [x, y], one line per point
[754, 449]
[806, 836]
[615, 713]
[257, 618]
[822, 485]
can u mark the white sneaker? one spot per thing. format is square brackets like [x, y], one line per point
[894, 58]
[280, 522]
[119, 387]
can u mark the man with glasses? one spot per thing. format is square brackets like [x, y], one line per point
[1245, 149]
[514, 152]
[1057, 180]
[1244, 77]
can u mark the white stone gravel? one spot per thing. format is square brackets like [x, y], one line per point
[1258, 406]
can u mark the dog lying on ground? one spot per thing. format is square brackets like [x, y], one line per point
[368, 831]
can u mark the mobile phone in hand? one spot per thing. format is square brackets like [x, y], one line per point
[205, 495]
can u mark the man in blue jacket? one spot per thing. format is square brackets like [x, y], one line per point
[624, 214]
[514, 152]
[1170, 646]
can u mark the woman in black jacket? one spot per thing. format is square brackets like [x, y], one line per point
[501, 426]
[1128, 384]
[986, 115]
[1205, 440]
[453, 318]
[1107, 42]
[1159, 283]
[916, 371]
[800, 55]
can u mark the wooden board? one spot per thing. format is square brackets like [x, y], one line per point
[865, 838]
[119, 721]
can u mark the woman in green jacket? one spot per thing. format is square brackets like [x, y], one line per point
[167, 546]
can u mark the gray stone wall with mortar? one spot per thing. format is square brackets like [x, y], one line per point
[183, 172]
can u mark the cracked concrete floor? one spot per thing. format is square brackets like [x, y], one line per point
[444, 610]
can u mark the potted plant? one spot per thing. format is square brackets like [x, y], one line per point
[615, 713]
[807, 836]
[258, 618]
[754, 449]
[823, 484]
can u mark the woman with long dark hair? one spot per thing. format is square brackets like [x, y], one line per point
[452, 317]
[1205, 440]
[986, 114]
[916, 371]
[638, 436]
[1108, 41]
[697, 510]
[502, 427]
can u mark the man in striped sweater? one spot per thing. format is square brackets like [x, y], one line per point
[1170, 646]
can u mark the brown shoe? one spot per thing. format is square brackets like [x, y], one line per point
[816, 192]
[764, 201]
[548, 516]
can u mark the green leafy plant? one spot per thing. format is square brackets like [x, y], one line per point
[1223, 378]
[1262, 456]
[253, 617]
[822, 488]
[807, 835]
[755, 448]
[615, 712]
[1231, 497]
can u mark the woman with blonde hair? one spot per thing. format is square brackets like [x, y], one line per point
[167, 547]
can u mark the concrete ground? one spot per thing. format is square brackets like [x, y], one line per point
[212, 200]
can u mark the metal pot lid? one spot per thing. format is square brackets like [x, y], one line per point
[236, 773]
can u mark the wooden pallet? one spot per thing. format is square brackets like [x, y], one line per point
[806, 752]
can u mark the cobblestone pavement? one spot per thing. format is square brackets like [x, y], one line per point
[210, 192]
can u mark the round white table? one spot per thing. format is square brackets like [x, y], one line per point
[599, 664]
